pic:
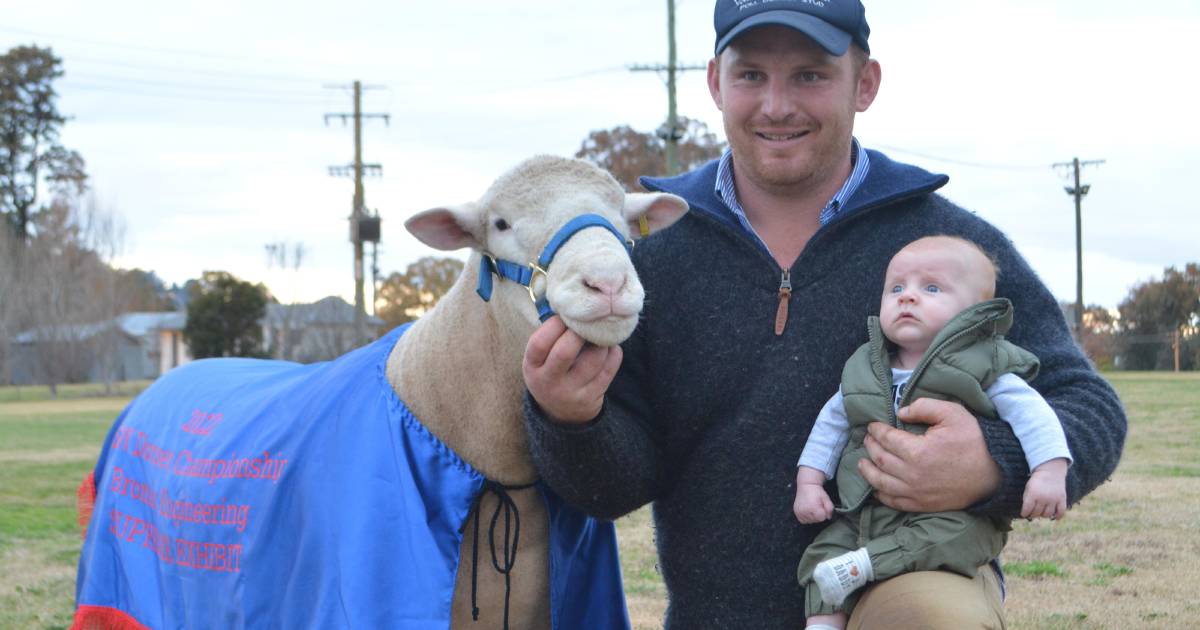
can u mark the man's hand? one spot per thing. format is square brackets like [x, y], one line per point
[566, 375]
[947, 468]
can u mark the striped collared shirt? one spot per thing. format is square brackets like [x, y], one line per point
[727, 191]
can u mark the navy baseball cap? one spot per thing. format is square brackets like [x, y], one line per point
[831, 23]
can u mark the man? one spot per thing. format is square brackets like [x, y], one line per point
[754, 301]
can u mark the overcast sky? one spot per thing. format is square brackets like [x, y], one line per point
[202, 122]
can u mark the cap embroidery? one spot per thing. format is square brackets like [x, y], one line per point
[749, 4]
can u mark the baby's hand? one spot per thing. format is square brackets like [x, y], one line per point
[1046, 493]
[812, 504]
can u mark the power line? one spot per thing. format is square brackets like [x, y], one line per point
[507, 87]
[167, 84]
[150, 49]
[207, 87]
[176, 71]
[988, 165]
[125, 90]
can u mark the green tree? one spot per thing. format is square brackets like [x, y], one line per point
[403, 297]
[629, 154]
[223, 317]
[1154, 313]
[30, 154]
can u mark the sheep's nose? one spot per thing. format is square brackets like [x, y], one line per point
[608, 285]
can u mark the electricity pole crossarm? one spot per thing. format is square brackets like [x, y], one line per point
[670, 132]
[1078, 191]
[369, 170]
[364, 227]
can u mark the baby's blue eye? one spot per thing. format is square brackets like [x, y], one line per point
[897, 288]
[933, 288]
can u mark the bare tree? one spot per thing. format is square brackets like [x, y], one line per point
[67, 293]
[64, 294]
[281, 338]
[103, 233]
[58, 270]
[13, 290]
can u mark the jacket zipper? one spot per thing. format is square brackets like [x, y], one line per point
[785, 284]
[929, 354]
[883, 370]
[785, 296]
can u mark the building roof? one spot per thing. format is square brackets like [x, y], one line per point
[132, 324]
[138, 324]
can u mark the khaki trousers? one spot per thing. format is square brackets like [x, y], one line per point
[932, 600]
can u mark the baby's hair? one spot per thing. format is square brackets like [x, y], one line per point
[988, 256]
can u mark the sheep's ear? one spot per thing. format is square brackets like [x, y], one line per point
[448, 228]
[651, 212]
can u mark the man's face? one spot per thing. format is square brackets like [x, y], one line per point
[789, 107]
[928, 283]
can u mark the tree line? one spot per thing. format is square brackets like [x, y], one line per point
[1157, 326]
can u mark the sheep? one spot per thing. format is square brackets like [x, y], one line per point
[240, 492]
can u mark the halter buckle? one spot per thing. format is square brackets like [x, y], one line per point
[534, 270]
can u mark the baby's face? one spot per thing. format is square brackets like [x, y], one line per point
[928, 283]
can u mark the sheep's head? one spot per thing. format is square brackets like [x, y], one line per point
[591, 282]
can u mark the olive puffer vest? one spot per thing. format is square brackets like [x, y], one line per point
[964, 359]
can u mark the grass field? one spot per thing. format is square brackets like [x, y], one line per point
[1122, 559]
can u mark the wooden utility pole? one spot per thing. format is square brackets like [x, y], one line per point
[364, 226]
[670, 131]
[1079, 192]
[1176, 345]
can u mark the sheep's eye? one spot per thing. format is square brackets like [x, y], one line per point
[501, 224]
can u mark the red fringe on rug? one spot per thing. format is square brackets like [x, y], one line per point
[85, 502]
[102, 618]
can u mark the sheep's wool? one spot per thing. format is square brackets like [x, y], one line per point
[240, 493]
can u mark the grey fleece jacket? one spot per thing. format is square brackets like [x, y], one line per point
[711, 408]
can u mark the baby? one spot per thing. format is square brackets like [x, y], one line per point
[939, 334]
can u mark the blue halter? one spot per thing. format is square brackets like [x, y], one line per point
[524, 274]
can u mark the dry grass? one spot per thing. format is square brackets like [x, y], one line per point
[68, 406]
[644, 591]
[1127, 553]
[42, 593]
[46, 447]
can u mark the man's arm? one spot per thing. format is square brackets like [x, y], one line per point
[1087, 406]
[588, 422]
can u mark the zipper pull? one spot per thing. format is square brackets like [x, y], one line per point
[785, 295]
